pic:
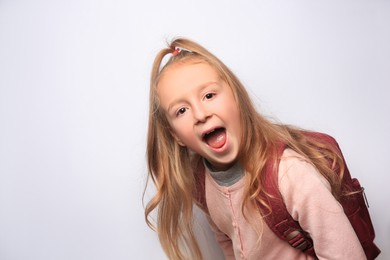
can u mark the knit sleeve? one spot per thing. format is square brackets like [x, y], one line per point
[309, 200]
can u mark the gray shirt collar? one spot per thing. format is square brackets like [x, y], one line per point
[228, 177]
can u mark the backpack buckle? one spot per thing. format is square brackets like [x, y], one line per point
[298, 240]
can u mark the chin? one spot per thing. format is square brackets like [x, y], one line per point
[223, 166]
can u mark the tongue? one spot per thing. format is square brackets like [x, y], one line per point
[217, 138]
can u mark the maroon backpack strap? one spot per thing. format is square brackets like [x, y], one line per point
[280, 221]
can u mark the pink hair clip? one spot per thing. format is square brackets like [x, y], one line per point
[176, 51]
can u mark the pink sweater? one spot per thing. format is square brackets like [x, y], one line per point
[308, 199]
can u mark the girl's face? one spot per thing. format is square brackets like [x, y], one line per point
[202, 112]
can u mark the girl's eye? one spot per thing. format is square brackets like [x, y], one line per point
[181, 111]
[209, 95]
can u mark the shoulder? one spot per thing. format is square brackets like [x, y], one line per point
[302, 187]
[295, 168]
[298, 177]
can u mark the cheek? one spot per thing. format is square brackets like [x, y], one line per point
[231, 109]
[180, 129]
[233, 113]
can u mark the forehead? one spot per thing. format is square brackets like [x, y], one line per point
[184, 73]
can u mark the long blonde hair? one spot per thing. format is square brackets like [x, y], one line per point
[171, 167]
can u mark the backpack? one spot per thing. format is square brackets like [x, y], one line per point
[281, 222]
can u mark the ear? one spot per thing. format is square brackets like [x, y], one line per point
[177, 139]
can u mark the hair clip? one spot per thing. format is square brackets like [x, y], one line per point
[176, 51]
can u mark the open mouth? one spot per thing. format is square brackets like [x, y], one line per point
[215, 138]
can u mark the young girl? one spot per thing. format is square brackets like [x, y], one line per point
[206, 141]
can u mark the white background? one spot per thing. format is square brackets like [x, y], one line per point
[74, 81]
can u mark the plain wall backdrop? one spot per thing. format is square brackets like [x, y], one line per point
[74, 79]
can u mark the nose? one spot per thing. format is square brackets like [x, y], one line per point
[200, 113]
